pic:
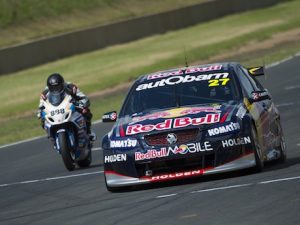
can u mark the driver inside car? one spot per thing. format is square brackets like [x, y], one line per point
[57, 85]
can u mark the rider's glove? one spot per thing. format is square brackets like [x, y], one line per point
[84, 110]
[39, 113]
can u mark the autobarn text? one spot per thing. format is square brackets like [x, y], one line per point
[181, 79]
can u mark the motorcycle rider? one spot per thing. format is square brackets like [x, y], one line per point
[57, 85]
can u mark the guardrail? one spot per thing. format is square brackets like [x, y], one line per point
[53, 48]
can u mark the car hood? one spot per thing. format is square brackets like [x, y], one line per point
[175, 118]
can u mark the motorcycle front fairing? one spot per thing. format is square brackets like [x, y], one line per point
[64, 118]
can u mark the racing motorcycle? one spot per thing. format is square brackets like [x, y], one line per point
[66, 127]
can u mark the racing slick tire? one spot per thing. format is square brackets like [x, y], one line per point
[87, 161]
[259, 159]
[65, 153]
[282, 147]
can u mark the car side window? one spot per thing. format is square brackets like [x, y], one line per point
[257, 86]
[247, 85]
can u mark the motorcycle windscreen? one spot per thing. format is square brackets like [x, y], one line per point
[56, 98]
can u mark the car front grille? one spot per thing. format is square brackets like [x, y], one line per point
[176, 165]
[183, 136]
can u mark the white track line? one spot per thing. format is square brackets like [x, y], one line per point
[50, 178]
[279, 180]
[166, 196]
[97, 149]
[235, 186]
[292, 87]
[282, 61]
[22, 142]
[285, 104]
[34, 138]
[298, 144]
[222, 188]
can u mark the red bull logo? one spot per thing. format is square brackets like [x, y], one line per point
[173, 123]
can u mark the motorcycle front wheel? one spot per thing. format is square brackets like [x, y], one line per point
[65, 152]
[87, 161]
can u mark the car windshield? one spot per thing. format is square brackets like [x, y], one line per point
[179, 91]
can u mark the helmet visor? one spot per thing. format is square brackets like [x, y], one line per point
[56, 88]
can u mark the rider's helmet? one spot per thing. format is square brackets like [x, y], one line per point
[55, 83]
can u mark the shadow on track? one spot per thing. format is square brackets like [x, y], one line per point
[271, 166]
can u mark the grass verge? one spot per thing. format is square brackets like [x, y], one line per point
[119, 64]
[21, 21]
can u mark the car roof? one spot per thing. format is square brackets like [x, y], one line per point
[224, 66]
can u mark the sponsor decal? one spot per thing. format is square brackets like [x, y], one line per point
[181, 79]
[113, 116]
[123, 143]
[218, 82]
[184, 71]
[236, 142]
[241, 112]
[177, 113]
[150, 154]
[115, 158]
[167, 151]
[177, 175]
[256, 96]
[173, 123]
[224, 129]
[190, 148]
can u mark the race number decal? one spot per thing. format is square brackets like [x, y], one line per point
[57, 112]
[218, 82]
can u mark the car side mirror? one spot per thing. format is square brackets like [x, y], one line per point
[110, 117]
[257, 96]
[256, 71]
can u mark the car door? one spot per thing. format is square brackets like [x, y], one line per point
[260, 108]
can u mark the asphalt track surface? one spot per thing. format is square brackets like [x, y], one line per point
[36, 189]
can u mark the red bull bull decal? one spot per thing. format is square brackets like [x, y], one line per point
[173, 113]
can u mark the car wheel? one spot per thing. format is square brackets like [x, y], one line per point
[282, 147]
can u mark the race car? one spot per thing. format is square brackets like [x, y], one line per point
[190, 122]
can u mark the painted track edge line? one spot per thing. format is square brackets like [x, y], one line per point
[222, 188]
[50, 179]
[34, 138]
[22, 142]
